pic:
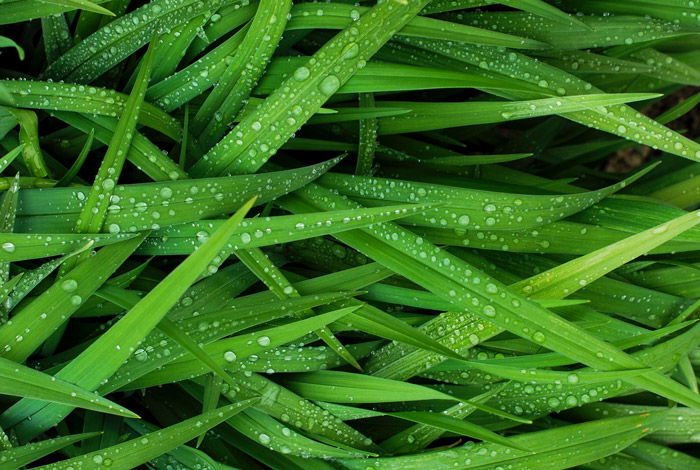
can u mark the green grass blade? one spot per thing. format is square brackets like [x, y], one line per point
[17, 457]
[22, 381]
[82, 5]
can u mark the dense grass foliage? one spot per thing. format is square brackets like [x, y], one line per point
[360, 235]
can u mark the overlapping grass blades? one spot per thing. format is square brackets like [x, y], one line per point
[495, 276]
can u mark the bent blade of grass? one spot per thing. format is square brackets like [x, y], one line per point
[79, 161]
[7, 42]
[21, 381]
[104, 357]
[135, 452]
[260, 134]
[29, 137]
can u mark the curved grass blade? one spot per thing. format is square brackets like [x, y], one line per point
[79, 161]
[29, 137]
[7, 42]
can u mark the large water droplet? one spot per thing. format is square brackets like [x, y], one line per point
[69, 285]
[329, 85]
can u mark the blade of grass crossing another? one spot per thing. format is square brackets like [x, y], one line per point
[102, 358]
[258, 262]
[240, 78]
[260, 134]
[94, 211]
[135, 452]
[453, 279]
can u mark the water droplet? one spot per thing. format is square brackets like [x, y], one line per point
[69, 285]
[350, 51]
[263, 341]
[8, 247]
[329, 85]
[538, 337]
[301, 74]
[230, 356]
